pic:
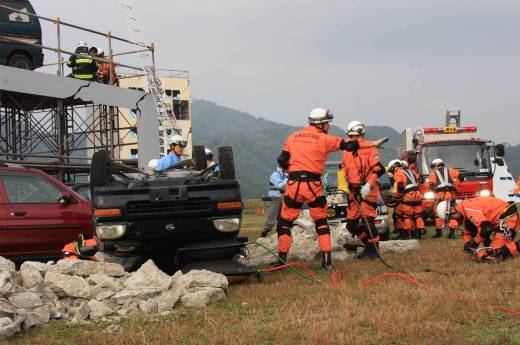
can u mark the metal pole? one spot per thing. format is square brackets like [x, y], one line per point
[58, 39]
[152, 49]
[109, 35]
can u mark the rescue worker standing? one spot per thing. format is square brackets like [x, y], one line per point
[362, 170]
[83, 66]
[483, 216]
[177, 145]
[277, 185]
[304, 156]
[407, 190]
[444, 182]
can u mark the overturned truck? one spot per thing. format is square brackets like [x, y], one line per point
[184, 217]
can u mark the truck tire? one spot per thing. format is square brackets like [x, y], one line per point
[226, 163]
[20, 60]
[199, 157]
[99, 169]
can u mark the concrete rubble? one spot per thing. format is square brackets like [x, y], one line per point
[77, 291]
[305, 244]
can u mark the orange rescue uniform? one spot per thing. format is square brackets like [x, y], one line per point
[483, 215]
[104, 73]
[305, 154]
[407, 188]
[71, 250]
[361, 167]
[444, 182]
[517, 187]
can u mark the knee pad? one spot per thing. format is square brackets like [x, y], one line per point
[353, 226]
[291, 203]
[322, 227]
[319, 202]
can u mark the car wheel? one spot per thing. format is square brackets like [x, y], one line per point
[99, 169]
[199, 157]
[226, 163]
[20, 60]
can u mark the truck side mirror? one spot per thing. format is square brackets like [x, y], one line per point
[500, 150]
[66, 199]
[412, 157]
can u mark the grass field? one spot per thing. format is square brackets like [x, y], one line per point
[460, 307]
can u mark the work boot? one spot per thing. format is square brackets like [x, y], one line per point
[437, 234]
[451, 234]
[283, 256]
[403, 235]
[369, 253]
[264, 233]
[326, 261]
[417, 234]
[420, 234]
[350, 247]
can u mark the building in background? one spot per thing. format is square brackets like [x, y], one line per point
[177, 86]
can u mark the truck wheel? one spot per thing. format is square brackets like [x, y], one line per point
[226, 163]
[20, 60]
[199, 157]
[99, 169]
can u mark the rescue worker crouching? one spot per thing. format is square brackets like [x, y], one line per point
[80, 249]
[444, 182]
[407, 191]
[177, 145]
[304, 156]
[483, 216]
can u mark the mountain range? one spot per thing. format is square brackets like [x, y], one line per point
[257, 142]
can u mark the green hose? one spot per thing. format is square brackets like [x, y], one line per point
[295, 270]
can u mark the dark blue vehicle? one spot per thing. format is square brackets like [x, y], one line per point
[21, 27]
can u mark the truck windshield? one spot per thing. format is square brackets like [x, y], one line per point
[467, 158]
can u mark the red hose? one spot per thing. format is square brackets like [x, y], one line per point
[297, 265]
[419, 283]
[397, 275]
[336, 277]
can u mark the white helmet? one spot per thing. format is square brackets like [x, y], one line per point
[356, 128]
[152, 164]
[437, 161]
[177, 139]
[83, 44]
[320, 115]
[208, 151]
[442, 209]
[100, 51]
[392, 163]
[404, 163]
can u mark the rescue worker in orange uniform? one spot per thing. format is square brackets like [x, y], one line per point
[444, 182]
[71, 251]
[304, 156]
[104, 70]
[483, 216]
[362, 169]
[407, 190]
[397, 218]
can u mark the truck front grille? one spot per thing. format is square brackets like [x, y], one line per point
[168, 207]
[171, 225]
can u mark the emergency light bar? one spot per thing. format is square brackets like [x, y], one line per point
[450, 130]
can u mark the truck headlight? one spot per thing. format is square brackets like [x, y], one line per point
[429, 195]
[110, 232]
[227, 224]
[484, 192]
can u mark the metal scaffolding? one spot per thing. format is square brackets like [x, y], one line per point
[58, 135]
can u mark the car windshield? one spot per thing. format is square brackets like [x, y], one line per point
[467, 158]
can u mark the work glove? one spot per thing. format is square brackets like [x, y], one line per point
[365, 190]
[378, 143]
[470, 245]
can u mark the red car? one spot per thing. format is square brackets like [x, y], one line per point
[39, 215]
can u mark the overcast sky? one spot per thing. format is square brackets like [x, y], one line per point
[398, 63]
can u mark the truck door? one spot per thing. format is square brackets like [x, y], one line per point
[38, 225]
